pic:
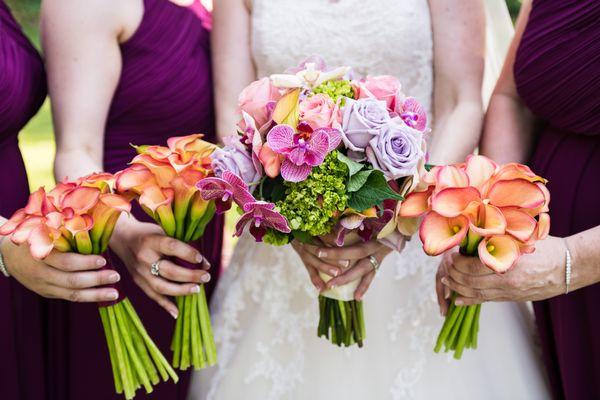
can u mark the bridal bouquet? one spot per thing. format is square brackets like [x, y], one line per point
[163, 179]
[320, 158]
[80, 217]
[493, 212]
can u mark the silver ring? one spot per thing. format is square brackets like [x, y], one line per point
[155, 268]
[374, 263]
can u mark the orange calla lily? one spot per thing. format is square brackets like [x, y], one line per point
[454, 201]
[440, 234]
[80, 199]
[519, 224]
[488, 220]
[451, 176]
[499, 253]
[518, 193]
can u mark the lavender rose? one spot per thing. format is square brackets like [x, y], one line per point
[396, 150]
[362, 121]
[234, 157]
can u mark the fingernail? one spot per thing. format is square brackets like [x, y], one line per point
[445, 281]
[199, 258]
[101, 262]
[322, 254]
[112, 295]
[344, 263]
[174, 314]
[114, 277]
[333, 272]
[459, 302]
[205, 278]
[195, 289]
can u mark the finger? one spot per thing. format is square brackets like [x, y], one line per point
[477, 294]
[81, 280]
[74, 262]
[165, 287]
[320, 265]
[84, 295]
[475, 281]
[364, 284]
[316, 280]
[314, 250]
[441, 295]
[353, 252]
[176, 248]
[161, 300]
[362, 268]
[469, 265]
[467, 301]
[176, 273]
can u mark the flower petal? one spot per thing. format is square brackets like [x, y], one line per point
[453, 201]
[490, 221]
[281, 139]
[440, 234]
[41, 242]
[543, 226]
[499, 253]
[519, 224]
[416, 203]
[81, 199]
[294, 173]
[9, 226]
[479, 170]
[517, 193]
[241, 194]
[451, 176]
[286, 109]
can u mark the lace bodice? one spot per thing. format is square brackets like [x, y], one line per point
[374, 37]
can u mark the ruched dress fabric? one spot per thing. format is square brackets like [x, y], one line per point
[557, 73]
[22, 312]
[165, 90]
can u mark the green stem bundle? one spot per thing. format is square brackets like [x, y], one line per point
[193, 343]
[342, 322]
[136, 360]
[460, 329]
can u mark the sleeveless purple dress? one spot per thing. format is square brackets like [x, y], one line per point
[22, 91]
[165, 90]
[557, 73]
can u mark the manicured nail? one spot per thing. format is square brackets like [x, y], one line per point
[199, 258]
[205, 278]
[112, 295]
[441, 311]
[101, 262]
[445, 281]
[174, 314]
[459, 302]
[333, 272]
[446, 293]
[195, 289]
[114, 277]
[322, 254]
[344, 263]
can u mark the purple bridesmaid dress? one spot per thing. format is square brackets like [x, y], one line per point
[165, 90]
[557, 73]
[22, 91]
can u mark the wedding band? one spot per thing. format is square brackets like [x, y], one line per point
[374, 263]
[155, 268]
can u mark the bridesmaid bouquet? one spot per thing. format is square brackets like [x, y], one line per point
[321, 158]
[163, 179]
[493, 212]
[80, 217]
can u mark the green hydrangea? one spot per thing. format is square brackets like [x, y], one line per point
[276, 238]
[336, 89]
[310, 205]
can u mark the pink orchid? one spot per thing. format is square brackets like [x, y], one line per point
[412, 113]
[366, 223]
[262, 216]
[302, 150]
[224, 190]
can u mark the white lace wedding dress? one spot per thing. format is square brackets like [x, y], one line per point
[265, 310]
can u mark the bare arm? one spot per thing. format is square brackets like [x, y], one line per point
[508, 132]
[233, 68]
[459, 47]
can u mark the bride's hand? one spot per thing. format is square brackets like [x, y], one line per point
[66, 276]
[139, 244]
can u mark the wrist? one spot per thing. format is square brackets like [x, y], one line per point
[3, 267]
[582, 273]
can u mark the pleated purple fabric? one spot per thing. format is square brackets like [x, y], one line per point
[165, 90]
[557, 73]
[22, 91]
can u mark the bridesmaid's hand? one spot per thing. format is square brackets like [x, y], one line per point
[536, 276]
[67, 276]
[139, 244]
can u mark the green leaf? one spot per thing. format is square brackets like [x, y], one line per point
[353, 166]
[358, 180]
[302, 237]
[373, 192]
[429, 167]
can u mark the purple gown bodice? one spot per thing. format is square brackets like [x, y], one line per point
[557, 73]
